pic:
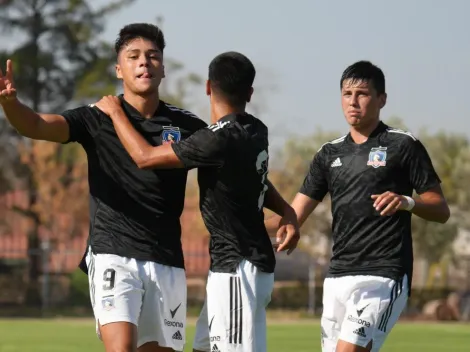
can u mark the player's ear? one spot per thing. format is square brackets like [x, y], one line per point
[248, 99]
[117, 67]
[163, 71]
[208, 87]
[383, 100]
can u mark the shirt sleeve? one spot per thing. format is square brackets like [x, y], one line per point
[84, 123]
[204, 148]
[315, 183]
[422, 175]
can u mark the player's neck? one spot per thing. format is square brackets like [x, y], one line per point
[219, 110]
[360, 134]
[145, 105]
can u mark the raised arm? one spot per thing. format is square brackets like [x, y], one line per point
[201, 149]
[27, 122]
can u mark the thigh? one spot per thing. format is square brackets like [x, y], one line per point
[116, 289]
[373, 308]
[333, 313]
[163, 318]
[236, 308]
[202, 337]
[116, 292]
[262, 295]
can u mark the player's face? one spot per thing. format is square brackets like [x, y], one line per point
[361, 103]
[140, 66]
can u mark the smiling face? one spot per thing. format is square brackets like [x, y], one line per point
[140, 66]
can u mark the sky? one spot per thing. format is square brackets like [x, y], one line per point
[300, 49]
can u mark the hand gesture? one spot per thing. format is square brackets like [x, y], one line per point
[390, 202]
[7, 87]
[109, 105]
[288, 234]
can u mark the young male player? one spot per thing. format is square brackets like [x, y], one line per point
[232, 157]
[135, 259]
[370, 174]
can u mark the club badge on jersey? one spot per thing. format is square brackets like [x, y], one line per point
[171, 135]
[377, 157]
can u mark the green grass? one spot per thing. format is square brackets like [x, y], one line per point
[74, 335]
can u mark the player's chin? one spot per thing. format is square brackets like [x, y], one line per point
[353, 121]
[144, 89]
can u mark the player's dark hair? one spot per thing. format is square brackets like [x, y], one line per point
[231, 76]
[140, 30]
[365, 71]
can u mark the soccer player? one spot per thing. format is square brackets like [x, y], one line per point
[370, 174]
[135, 259]
[232, 157]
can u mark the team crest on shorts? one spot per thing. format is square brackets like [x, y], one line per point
[171, 135]
[108, 302]
[377, 157]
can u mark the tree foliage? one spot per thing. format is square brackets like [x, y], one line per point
[60, 60]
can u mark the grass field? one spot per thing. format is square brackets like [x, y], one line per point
[301, 336]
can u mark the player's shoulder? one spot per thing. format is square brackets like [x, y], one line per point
[186, 116]
[332, 145]
[400, 134]
[83, 111]
[400, 137]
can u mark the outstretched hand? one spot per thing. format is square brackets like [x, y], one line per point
[7, 87]
[109, 104]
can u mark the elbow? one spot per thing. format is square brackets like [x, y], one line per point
[142, 160]
[444, 214]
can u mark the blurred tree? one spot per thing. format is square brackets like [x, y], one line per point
[61, 59]
[295, 160]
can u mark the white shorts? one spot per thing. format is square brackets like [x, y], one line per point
[358, 309]
[236, 304]
[149, 295]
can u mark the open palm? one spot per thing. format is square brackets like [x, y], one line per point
[7, 87]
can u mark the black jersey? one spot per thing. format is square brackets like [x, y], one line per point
[365, 243]
[133, 213]
[232, 157]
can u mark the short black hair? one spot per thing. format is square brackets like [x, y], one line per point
[231, 76]
[140, 30]
[365, 71]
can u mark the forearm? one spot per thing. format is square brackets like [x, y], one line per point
[137, 147]
[22, 118]
[274, 201]
[431, 210]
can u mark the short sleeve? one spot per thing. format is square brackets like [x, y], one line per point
[83, 124]
[422, 175]
[204, 148]
[315, 183]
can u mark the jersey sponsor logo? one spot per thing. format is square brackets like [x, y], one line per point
[171, 135]
[174, 324]
[377, 157]
[336, 163]
[360, 332]
[218, 125]
[177, 336]
[359, 321]
[360, 311]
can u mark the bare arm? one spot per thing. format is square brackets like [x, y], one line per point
[48, 127]
[274, 201]
[303, 207]
[144, 155]
[432, 206]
